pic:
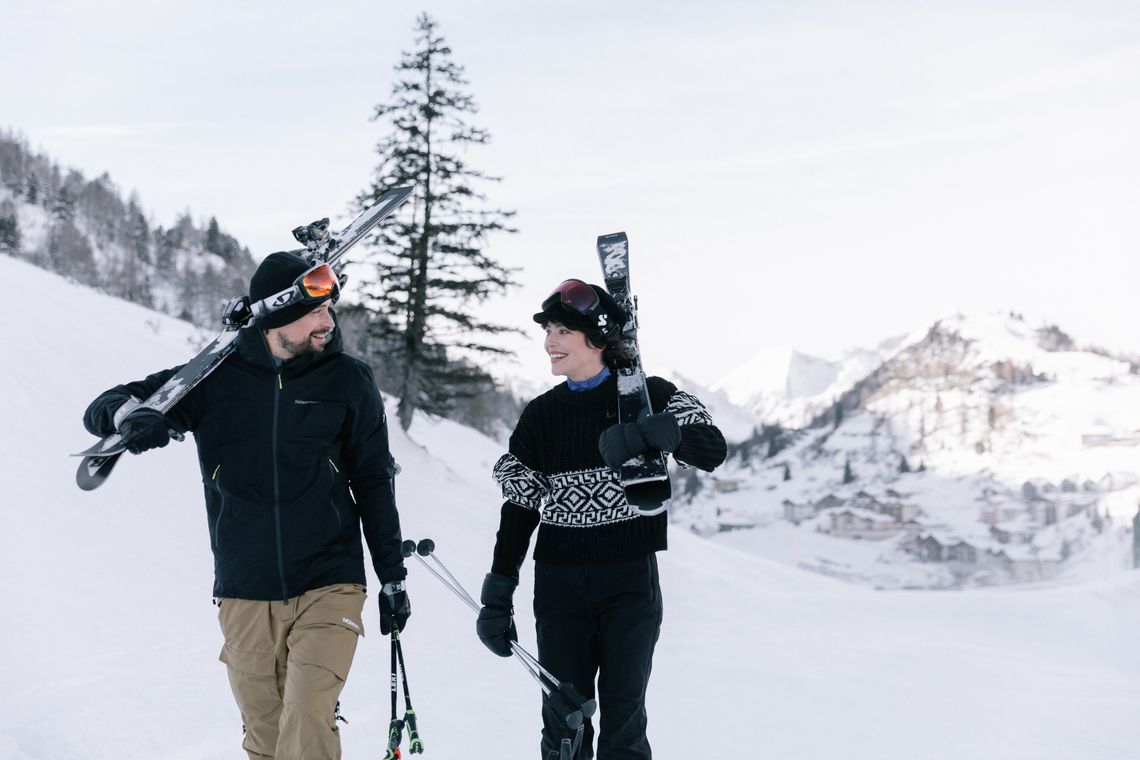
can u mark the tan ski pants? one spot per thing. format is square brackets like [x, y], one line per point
[287, 664]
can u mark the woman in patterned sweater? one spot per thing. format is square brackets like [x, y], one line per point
[597, 595]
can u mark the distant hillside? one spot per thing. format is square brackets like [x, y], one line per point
[57, 219]
[985, 450]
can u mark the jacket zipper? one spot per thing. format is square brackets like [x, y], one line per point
[277, 492]
[221, 510]
[332, 502]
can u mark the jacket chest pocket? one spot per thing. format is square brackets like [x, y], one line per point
[316, 423]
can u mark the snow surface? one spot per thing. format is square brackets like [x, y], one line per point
[110, 642]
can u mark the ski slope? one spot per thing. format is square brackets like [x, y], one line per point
[110, 640]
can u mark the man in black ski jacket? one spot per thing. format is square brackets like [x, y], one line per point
[293, 448]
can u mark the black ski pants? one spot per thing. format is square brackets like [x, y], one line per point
[601, 621]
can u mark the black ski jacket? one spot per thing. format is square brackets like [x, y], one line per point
[294, 460]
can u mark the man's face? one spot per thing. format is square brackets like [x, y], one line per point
[307, 335]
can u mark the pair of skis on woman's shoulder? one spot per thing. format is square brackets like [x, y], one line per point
[645, 478]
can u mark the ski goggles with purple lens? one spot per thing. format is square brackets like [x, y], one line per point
[575, 295]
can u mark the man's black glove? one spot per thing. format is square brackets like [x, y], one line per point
[496, 623]
[99, 419]
[394, 607]
[622, 442]
[144, 429]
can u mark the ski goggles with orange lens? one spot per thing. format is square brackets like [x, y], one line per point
[575, 295]
[312, 286]
[319, 282]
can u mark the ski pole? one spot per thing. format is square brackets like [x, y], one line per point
[560, 696]
[415, 744]
[396, 726]
[426, 548]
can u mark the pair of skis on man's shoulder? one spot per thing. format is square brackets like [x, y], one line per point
[321, 246]
[645, 478]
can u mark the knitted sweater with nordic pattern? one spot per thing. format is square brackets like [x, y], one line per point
[553, 478]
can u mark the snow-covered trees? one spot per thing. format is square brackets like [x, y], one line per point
[83, 229]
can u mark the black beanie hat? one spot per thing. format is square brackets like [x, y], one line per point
[278, 272]
[610, 321]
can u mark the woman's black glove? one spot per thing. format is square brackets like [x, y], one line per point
[622, 442]
[496, 623]
[394, 607]
[144, 429]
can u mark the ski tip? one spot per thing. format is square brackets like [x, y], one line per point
[94, 471]
[613, 237]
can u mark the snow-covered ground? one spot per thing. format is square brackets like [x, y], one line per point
[110, 643]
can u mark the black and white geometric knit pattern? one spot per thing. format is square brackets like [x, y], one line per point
[521, 484]
[581, 499]
[587, 498]
[688, 409]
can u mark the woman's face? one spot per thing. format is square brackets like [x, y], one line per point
[570, 354]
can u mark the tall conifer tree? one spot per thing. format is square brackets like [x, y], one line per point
[433, 270]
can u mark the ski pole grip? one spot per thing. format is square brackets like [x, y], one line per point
[408, 548]
[425, 547]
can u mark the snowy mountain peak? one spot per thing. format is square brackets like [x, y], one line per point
[785, 386]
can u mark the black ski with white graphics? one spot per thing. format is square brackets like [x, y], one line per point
[646, 477]
[321, 246]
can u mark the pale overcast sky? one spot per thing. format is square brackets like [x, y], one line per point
[815, 174]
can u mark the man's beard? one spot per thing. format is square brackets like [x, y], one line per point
[308, 346]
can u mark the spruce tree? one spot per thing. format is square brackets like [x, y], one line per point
[848, 473]
[433, 270]
[9, 230]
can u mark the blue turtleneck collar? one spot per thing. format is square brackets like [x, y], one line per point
[593, 382]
